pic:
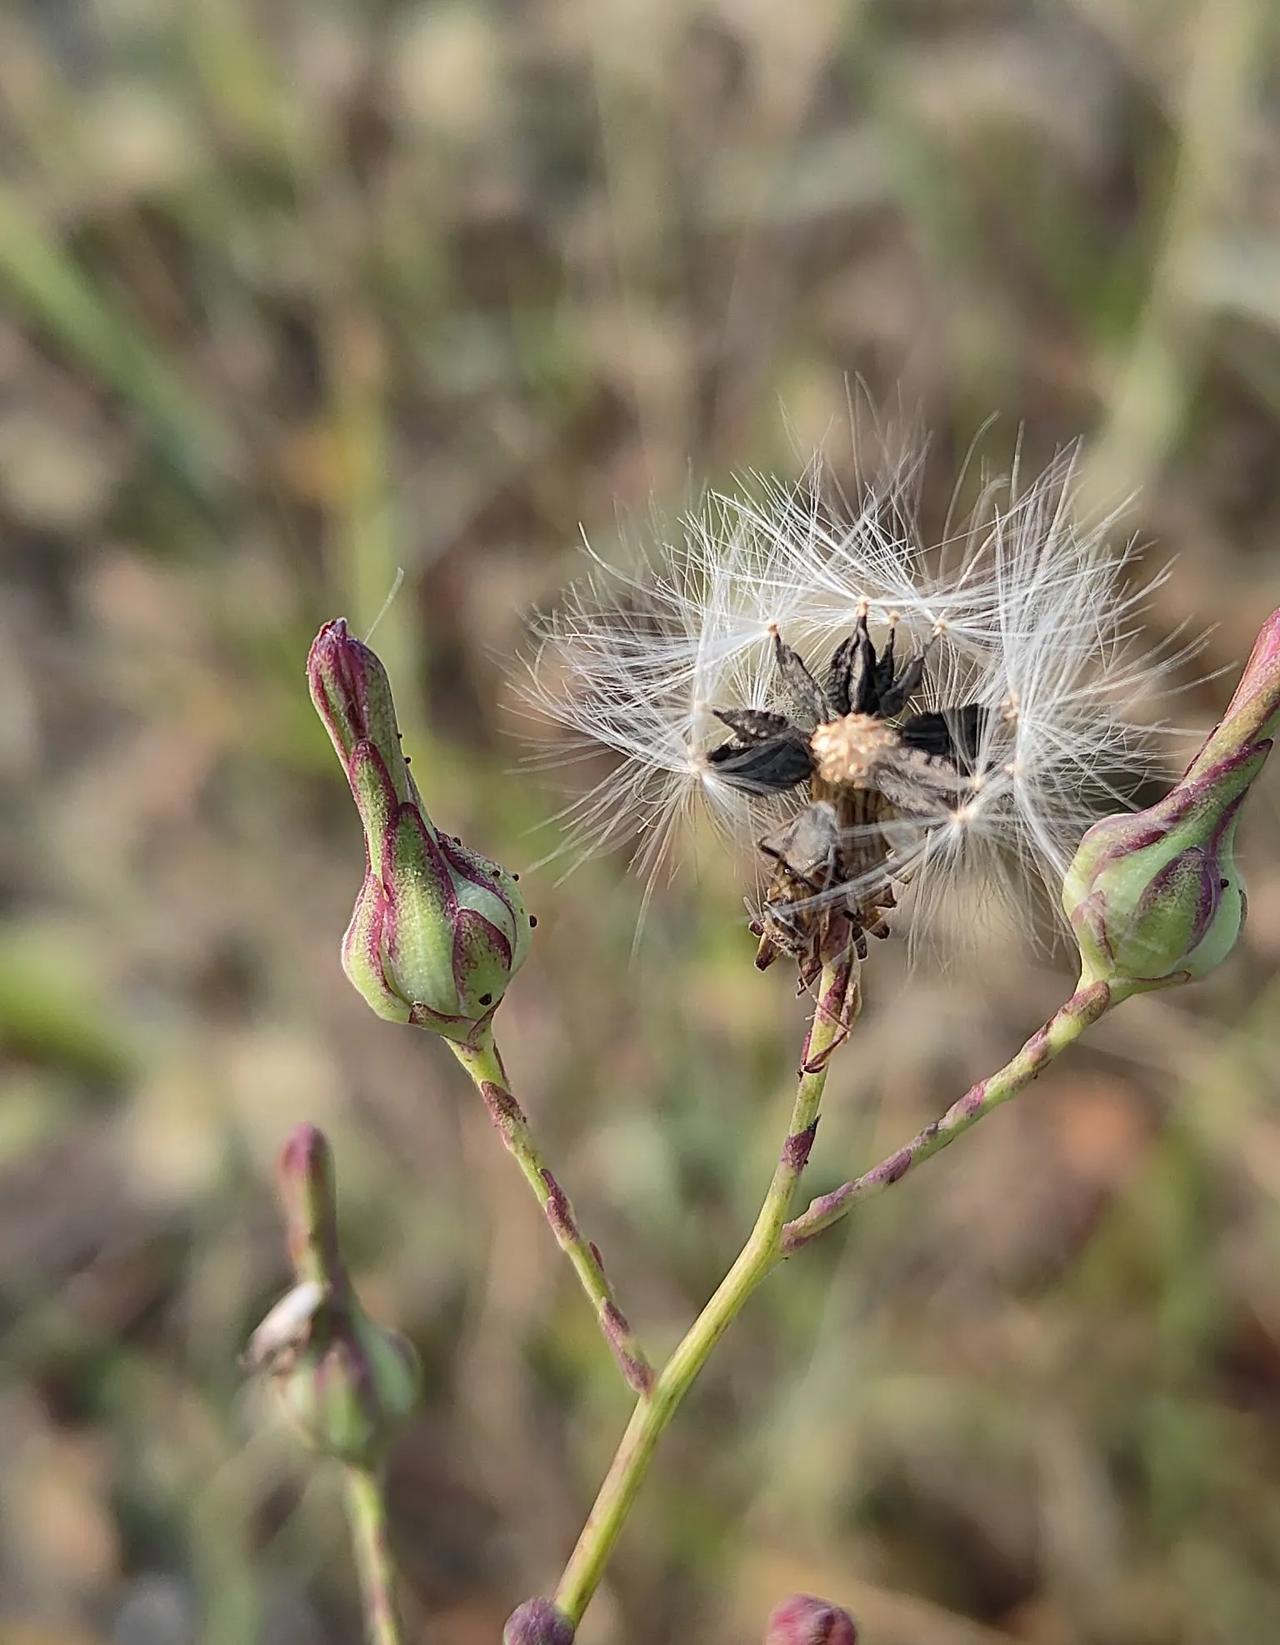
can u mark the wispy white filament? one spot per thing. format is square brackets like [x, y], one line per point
[1024, 609]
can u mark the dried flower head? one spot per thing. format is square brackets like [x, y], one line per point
[868, 713]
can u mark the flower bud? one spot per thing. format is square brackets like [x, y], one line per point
[1155, 897]
[437, 931]
[345, 1382]
[803, 1620]
[537, 1622]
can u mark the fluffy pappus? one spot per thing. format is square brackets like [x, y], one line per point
[991, 711]
[633, 662]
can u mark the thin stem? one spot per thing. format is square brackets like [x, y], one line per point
[484, 1065]
[836, 1003]
[1084, 1008]
[368, 1515]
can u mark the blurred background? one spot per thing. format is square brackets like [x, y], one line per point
[295, 292]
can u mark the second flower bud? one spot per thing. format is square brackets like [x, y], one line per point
[438, 931]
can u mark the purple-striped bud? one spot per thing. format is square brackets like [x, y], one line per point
[1155, 897]
[803, 1620]
[437, 931]
[537, 1622]
[345, 1382]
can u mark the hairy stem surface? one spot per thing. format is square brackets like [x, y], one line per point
[484, 1065]
[836, 1003]
[368, 1515]
[1083, 1009]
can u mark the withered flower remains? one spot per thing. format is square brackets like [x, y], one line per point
[897, 714]
[861, 769]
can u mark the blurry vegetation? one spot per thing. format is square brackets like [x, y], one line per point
[294, 292]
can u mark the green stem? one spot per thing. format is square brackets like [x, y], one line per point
[1084, 1008]
[484, 1065]
[837, 997]
[368, 1515]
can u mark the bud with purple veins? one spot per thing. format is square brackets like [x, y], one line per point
[438, 931]
[1155, 897]
[803, 1620]
[345, 1382]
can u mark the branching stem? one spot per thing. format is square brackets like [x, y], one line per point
[484, 1065]
[774, 1238]
[1084, 1008]
[836, 1003]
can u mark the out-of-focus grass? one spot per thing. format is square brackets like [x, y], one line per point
[297, 294]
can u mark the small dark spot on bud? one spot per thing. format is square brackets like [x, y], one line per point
[486, 999]
[1223, 884]
[515, 876]
[533, 920]
[408, 759]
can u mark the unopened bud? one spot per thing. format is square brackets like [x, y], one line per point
[1155, 897]
[537, 1622]
[803, 1620]
[438, 931]
[345, 1382]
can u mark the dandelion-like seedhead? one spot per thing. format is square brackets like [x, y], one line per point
[858, 711]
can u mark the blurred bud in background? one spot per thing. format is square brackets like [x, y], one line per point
[345, 1382]
[804, 1620]
[1154, 897]
[537, 1622]
[437, 931]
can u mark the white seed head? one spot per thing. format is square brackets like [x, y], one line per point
[1024, 612]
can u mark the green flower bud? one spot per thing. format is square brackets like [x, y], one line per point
[1155, 898]
[437, 931]
[345, 1383]
[803, 1620]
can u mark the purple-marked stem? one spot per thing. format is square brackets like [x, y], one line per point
[484, 1065]
[836, 1004]
[1083, 1009]
[368, 1515]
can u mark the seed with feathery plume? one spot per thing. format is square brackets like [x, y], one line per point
[894, 718]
